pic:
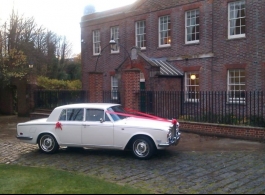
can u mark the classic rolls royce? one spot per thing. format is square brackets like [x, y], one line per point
[100, 125]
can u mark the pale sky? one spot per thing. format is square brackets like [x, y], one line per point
[60, 16]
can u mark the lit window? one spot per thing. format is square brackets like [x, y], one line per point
[164, 31]
[236, 85]
[192, 26]
[140, 32]
[114, 35]
[192, 86]
[96, 42]
[237, 19]
[114, 88]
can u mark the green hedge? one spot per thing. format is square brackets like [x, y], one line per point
[47, 83]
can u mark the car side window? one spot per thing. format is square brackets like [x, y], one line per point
[72, 115]
[75, 114]
[63, 116]
[106, 117]
[94, 114]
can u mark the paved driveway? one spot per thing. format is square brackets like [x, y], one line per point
[199, 164]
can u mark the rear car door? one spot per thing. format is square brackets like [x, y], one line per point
[71, 125]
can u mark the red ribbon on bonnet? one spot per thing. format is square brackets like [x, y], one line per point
[144, 116]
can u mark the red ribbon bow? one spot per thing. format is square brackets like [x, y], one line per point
[58, 126]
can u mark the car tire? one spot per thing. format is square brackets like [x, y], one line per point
[143, 147]
[48, 144]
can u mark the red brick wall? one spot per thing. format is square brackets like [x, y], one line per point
[31, 88]
[131, 85]
[246, 51]
[23, 96]
[213, 39]
[168, 83]
[239, 132]
[96, 87]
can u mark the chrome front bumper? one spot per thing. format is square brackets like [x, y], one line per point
[174, 141]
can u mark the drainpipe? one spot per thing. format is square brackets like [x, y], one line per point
[182, 96]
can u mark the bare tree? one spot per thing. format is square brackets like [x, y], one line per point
[22, 42]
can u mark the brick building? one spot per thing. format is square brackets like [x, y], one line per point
[175, 45]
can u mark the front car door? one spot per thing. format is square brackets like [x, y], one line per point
[97, 130]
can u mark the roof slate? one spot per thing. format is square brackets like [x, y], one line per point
[166, 69]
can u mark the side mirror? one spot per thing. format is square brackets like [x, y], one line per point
[101, 120]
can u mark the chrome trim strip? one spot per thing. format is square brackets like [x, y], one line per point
[48, 124]
[24, 137]
[137, 127]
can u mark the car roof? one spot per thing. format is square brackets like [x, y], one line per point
[89, 105]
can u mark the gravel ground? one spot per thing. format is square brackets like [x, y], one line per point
[198, 165]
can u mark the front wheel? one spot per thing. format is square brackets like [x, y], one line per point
[48, 144]
[143, 147]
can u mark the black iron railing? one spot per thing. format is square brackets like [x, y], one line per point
[49, 99]
[111, 97]
[210, 107]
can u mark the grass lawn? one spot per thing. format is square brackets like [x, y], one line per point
[30, 180]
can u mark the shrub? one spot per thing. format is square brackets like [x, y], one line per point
[256, 121]
[47, 83]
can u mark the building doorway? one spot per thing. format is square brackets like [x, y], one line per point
[142, 93]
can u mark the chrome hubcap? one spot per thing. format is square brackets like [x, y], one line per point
[47, 143]
[141, 148]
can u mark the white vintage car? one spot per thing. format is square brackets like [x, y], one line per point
[100, 125]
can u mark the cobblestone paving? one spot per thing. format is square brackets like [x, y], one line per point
[170, 171]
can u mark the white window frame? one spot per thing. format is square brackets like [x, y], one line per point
[233, 18]
[96, 42]
[114, 88]
[142, 78]
[191, 83]
[140, 34]
[236, 85]
[192, 24]
[114, 35]
[164, 26]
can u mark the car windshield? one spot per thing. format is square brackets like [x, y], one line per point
[116, 113]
